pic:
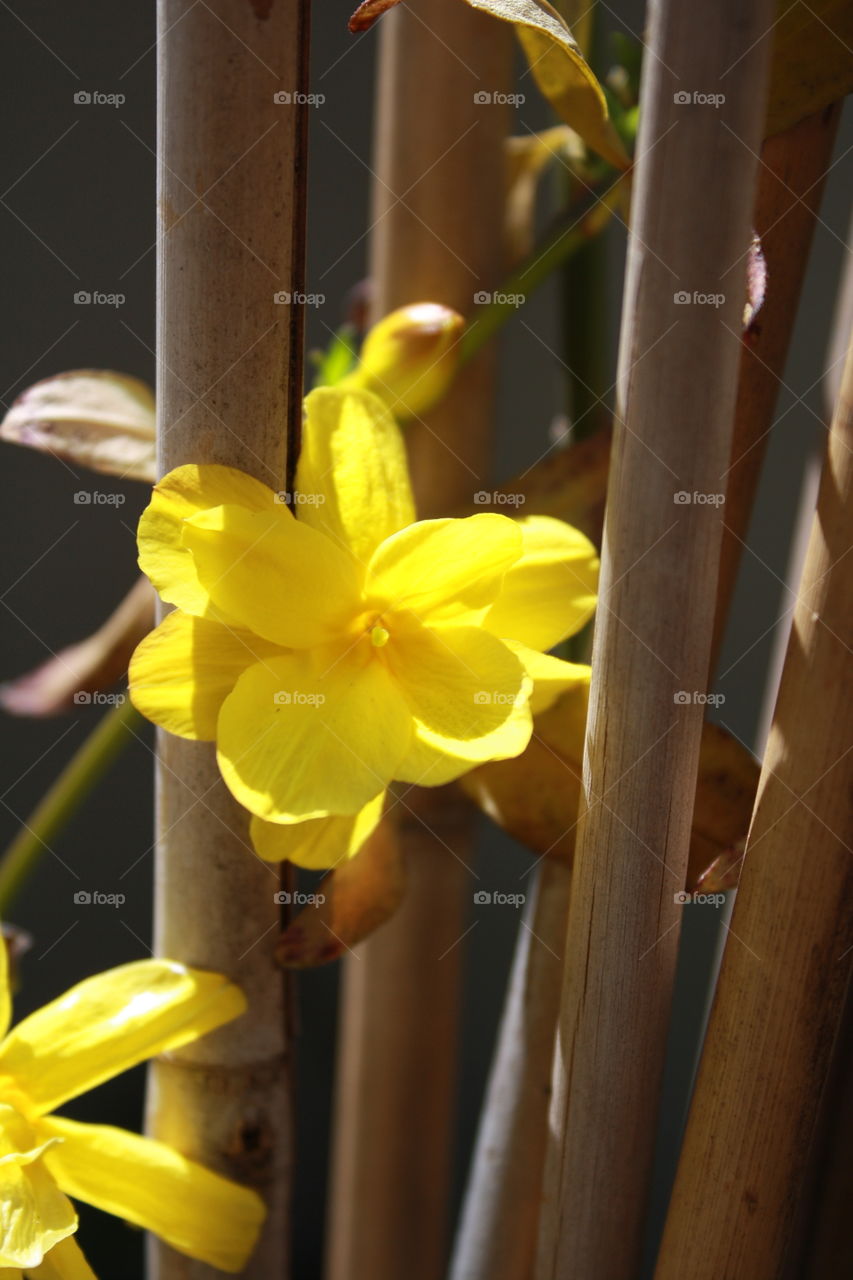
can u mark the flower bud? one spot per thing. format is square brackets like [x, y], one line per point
[410, 357]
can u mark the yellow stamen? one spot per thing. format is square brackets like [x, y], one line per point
[379, 636]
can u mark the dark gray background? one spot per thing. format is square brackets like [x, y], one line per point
[78, 213]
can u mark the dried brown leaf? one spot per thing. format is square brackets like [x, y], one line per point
[353, 900]
[91, 418]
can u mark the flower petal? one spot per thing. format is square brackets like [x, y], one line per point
[34, 1214]
[444, 568]
[180, 494]
[300, 741]
[183, 671]
[320, 842]
[64, 1262]
[273, 574]
[151, 1185]
[5, 988]
[352, 481]
[110, 1022]
[549, 593]
[551, 676]
[468, 695]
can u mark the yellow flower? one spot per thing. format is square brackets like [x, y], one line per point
[97, 1029]
[329, 654]
[410, 357]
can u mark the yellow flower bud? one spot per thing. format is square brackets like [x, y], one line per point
[410, 357]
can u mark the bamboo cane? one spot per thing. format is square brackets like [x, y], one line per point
[438, 237]
[497, 1233]
[232, 216]
[500, 1216]
[678, 372]
[786, 970]
[791, 178]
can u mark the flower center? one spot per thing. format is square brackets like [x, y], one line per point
[379, 637]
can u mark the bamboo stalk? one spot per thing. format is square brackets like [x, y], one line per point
[675, 402]
[791, 178]
[495, 1238]
[232, 210]
[786, 971]
[442, 153]
[500, 1216]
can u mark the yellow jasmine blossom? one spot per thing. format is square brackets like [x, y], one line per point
[96, 1030]
[410, 357]
[331, 653]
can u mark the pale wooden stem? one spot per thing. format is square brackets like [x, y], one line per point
[787, 965]
[231, 202]
[441, 153]
[791, 178]
[675, 403]
[500, 1217]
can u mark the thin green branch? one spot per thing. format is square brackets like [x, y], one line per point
[79, 777]
[561, 245]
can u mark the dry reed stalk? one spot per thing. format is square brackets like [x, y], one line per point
[231, 200]
[678, 367]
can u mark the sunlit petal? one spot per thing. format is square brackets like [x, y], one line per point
[272, 574]
[549, 593]
[110, 1022]
[181, 494]
[299, 739]
[444, 568]
[183, 671]
[317, 843]
[352, 482]
[151, 1185]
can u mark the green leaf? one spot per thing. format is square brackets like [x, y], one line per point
[556, 62]
[561, 71]
[338, 360]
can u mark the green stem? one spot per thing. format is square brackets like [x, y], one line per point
[83, 771]
[547, 258]
[585, 327]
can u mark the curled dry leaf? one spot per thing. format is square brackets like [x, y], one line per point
[569, 484]
[536, 797]
[811, 65]
[756, 286]
[91, 418]
[367, 13]
[527, 159]
[352, 901]
[93, 665]
[556, 62]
